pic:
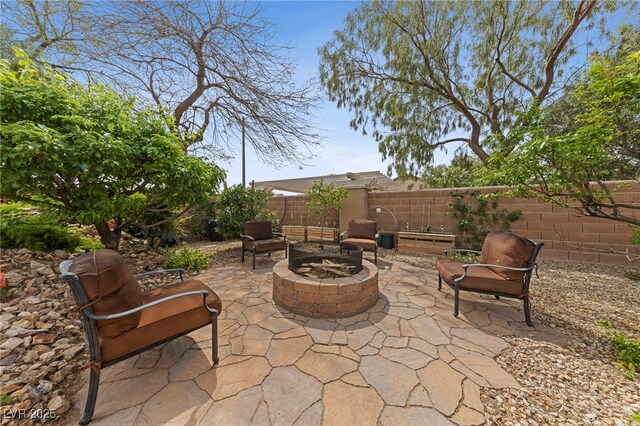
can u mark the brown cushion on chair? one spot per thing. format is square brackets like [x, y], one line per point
[477, 278]
[365, 244]
[366, 229]
[111, 287]
[507, 249]
[164, 320]
[266, 245]
[259, 230]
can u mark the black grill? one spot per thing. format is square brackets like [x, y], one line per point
[306, 252]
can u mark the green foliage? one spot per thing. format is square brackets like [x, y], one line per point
[636, 418]
[21, 228]
[416, 72]
[88, 244]
[5, 399]
[604, 144]
[627, 349]
[632, 275]
[184, 257]
[195, 226]
[477, 215]
[465, 257]
[462, 172]
[88, 153]
[325, 197]
[635, 239]
[236, 205]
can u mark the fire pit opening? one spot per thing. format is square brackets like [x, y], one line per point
[325, 260]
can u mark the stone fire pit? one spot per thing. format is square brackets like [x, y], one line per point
[325, 297]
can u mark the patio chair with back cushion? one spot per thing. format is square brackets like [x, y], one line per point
[258, 237]
[120, 321]
[504, 269]
[362, 233]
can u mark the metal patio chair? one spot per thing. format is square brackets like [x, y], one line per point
[504, 268]
[121, 321]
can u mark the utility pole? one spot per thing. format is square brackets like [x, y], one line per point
[244, 175]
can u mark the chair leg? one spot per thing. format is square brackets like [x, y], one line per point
[456, 300]
[527, 313]
[92, 397]
[439, 282]
[254, 258]
[375, 255]
[214, 336]
[243, 254]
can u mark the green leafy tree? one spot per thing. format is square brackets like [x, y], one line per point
[236, 205]
[571, 170]
[461, 172]
[209, 67]
[424, 74]
[89, 154]
[324, 197]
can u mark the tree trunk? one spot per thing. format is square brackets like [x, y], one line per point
[110, 239]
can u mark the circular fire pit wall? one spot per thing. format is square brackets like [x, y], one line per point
[325, 297]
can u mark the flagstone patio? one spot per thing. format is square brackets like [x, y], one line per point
[407, 360]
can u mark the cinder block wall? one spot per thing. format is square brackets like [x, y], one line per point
[567, 236]
[295, 211]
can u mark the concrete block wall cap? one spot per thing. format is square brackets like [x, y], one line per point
[366, 274]
[347, 280]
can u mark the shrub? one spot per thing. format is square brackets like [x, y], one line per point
[88, 244]
[195, 226]
[236, 205]
[184, 257]
[627, 349]
[477, 215]
[20, 227]
[465, 257]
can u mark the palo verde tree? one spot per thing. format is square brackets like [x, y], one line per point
[571, 169]
[209, 67]
[87, 153]
[424, 74]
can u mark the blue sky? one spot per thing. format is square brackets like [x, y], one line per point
[305, 26]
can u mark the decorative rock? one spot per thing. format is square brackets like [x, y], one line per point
[11, 343]
[59, 404]
[43, 338]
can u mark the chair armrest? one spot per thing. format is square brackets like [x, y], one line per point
[342, 235]
[161, 271]
[204, 294]
[249, 237]
[446, 252]
[487, 265]
[466, 266]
